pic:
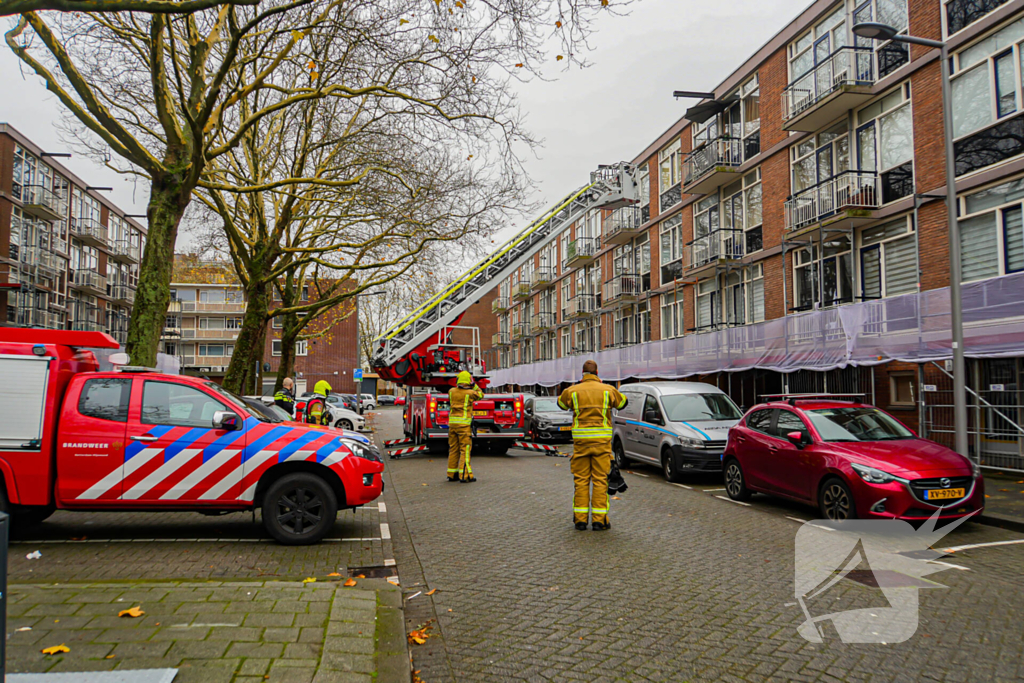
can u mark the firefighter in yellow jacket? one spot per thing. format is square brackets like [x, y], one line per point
[460, 427]
[591, 402]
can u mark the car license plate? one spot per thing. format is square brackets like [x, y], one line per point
[565, 429]
[943, 494]
[479, 413]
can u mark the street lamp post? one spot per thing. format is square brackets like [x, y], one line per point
[886, 32]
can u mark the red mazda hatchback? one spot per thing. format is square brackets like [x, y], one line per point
[850, 460]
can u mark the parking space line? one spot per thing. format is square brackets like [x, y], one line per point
[712, 489]
[797, 519]
[682, 486]
[382, 507]
[60, 541]
[385, 531]
[950, 566]
[971, 546]
[645, 476]
[733, 501]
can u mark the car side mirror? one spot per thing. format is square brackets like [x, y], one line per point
[652, 417]
[798, 439]
[225, 419]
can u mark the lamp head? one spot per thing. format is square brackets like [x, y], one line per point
[874, 29]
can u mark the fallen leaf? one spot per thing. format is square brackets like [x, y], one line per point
[309, 579]
[519, 66]
[55, 649]
[334, 574]
[402, 22]
[350, 583]
[431, 591]
[1004, 490]
[558, 24]
[559, 58]
[109, 657]
[432, 38]
[361, 576]
[131, 612]
[616, 498]
[449, 610]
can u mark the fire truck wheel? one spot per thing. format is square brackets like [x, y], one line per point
[32, 515]
[343, 424]
[299, 509]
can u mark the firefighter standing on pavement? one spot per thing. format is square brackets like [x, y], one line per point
[460, 427]
[285, 399]
[591, 402]
[317, 412]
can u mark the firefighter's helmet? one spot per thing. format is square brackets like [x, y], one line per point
[465, 378]
[322, 388]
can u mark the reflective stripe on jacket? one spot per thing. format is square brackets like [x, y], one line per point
[591, 402]
[285, 400]
[460, 404]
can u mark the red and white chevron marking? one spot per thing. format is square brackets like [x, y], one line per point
[396, 442]
[542, 447]
[409, 451]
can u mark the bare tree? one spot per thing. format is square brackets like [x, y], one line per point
[9, 7]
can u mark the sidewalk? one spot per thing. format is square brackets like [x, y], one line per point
[1004, 500]
[214, 631]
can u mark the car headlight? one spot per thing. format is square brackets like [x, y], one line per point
[365, 452]
[875, 476]
[543, 424]
[688, 442]
[975, 469]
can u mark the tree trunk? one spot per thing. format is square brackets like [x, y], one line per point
[167, 201]
[241, 377]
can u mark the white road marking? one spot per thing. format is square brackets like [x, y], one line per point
[385, 531]
[636, 473]
[950, 566]
[712, 489]
[682, 486]
[382, 507]
[733, 501]
[797, 519]
[958, 548]
[179, 540]
[201, 625]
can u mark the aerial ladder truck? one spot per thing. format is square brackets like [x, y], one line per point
[428, 348]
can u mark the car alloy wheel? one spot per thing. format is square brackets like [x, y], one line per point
[620, 455]
[668, 467]
[735, 485]
[299, 509]
[836, 502]
[343, 424]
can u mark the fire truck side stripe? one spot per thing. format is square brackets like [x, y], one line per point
[184, 441]
[161, 473]
[200, 473]
[228, 439]
[297, 444]
[328, 448]
[136, 447]
[119, 474]
[255, 447]
[235, 476]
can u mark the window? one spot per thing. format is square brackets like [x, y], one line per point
[754, 279]
[277, 322]
[211, 323]
[992, 231]
[901, 389]
[962, 13]
[672, 315]
[301, 347]
[215, 350]
[885, 143]
[820, 158]
[987, 90]
[888, 259]
[889, 55]
[233, 324]
[741, 216]
[671, 248]
[563, 241]
[211, 296]
[566, 342]
[787, 422]
[670, 166]
[836, 274]
[106, 399]
[744, 295]
[760, 420]
[652, 412]
[177, 405]
[708, 314]
[644, 189]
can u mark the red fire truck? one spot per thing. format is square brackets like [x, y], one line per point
[75, 438]
[498, 421]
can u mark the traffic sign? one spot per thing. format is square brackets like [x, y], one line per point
[357, 374]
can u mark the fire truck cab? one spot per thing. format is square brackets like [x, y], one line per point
[75, 438]
[498, 421]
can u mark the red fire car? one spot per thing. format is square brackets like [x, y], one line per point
[850, 460]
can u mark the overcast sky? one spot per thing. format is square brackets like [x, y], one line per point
[606, 113]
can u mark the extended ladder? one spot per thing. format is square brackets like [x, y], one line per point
[610, 187]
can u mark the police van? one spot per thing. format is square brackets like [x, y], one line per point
[681, 426]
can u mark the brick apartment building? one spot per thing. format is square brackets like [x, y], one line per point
[205, 316]
[69, 257]
[791, 198]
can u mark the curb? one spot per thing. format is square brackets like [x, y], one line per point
[392, 646]
[1002, 522]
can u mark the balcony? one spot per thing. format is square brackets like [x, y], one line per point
[119, 335]
[123, 294]
[543, 278]
[839, 83]
[41, 258]
[90, 231]
[712, 250]
[35, 317]
[521, 290]
[213, 306]
[520, 330]
[621, 289]
[582, 251]
[193, 333]
[87, 319]
[542, 322]
[124, 251]
[500, 339]
[622, 225]
[60, 245]
[212, 364]
[851, 195]
[42, 202]
[715, 164]
[582, 306]
[89, 281]
[499, 305]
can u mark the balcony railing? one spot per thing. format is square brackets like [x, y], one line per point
[846, 68]
[88, 321]
[43, 202]
[543, 278]
[623, 287]
[721, 153]
[125, 293]
[60, 245]
[194, 333]
[35, 317]
[43, 259]
[500, 339]
[848, 191]
[543, 321]
[499, 305]
[89, 230]
[582, 250]
[582, 306]
[622, 225]
[90, 279]
[213, 307]
[124, 250]
[521, 330]
[521, 290]
[718, 245]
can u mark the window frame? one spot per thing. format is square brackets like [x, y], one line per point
[999, 210]
[210, 397]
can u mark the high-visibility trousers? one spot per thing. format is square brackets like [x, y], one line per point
[591, 460]
[460, 444]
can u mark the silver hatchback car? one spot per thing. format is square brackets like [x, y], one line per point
[682, 426]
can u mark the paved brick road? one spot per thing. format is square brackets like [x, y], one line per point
[685, 587]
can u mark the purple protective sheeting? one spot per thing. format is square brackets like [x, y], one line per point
[914, 328]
